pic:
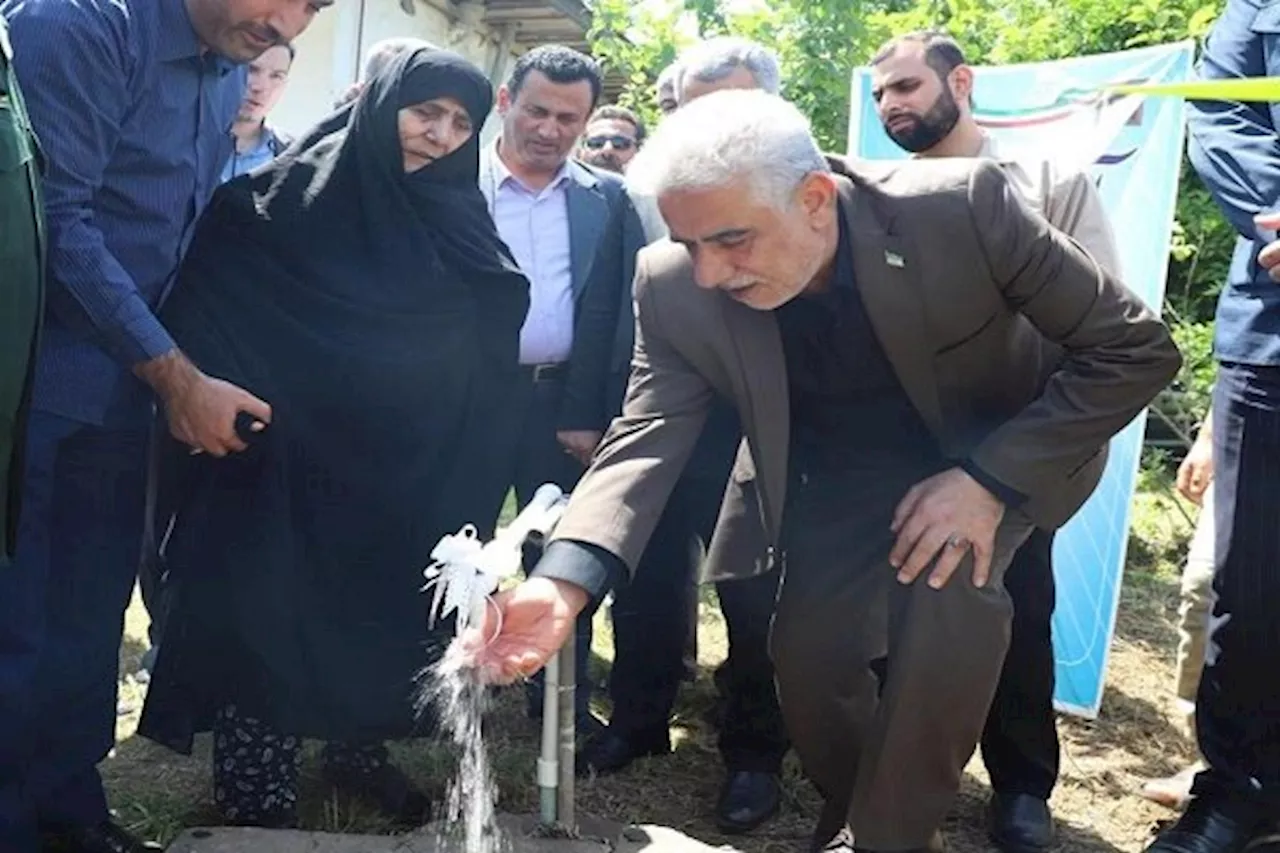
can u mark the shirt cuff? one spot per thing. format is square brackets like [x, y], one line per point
[139, 336]
[581, 564]
[1007, 495]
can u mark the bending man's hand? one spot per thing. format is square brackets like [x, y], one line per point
[532, 621]
[949, 513]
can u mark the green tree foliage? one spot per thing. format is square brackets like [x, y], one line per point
[820, 42]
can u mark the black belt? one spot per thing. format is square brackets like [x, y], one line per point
[546, 372]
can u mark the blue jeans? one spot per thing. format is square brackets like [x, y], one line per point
[62, 604]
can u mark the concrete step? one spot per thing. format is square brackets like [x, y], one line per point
[521, 835]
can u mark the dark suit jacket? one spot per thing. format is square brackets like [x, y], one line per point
[965, 286]
[602, 338]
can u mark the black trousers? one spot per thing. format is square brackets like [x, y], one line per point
[1238, 704]
[651, 620]
[539, 458]
[1020, 739]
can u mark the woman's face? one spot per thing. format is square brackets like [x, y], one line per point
[431, 130]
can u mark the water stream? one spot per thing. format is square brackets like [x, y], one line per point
[459, 701]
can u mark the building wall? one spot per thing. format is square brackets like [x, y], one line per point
[330, 52]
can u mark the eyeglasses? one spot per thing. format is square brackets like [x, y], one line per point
[619, 143]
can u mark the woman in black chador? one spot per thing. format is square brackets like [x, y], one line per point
[357, 284]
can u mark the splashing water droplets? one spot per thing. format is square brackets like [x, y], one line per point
[459, 699]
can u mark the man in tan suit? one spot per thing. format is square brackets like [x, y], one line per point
[884, 331]
[923, 90]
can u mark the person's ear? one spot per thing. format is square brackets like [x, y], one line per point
[817, 198]
[961, 81]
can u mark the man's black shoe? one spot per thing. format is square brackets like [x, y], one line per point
[609, 751]
[1019, 823]
[1208, 826]
[105, 837]
[747, 800]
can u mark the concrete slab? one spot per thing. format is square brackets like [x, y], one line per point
[521, 833]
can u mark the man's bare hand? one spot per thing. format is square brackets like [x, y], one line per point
[529, 625]
[202, 410]
[945, 516]
[581, 444]
[1269, 257]
[1195, 474]
[204, 417]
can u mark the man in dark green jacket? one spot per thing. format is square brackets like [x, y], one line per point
[21, 290]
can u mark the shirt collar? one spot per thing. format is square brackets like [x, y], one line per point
[990, 149]
[177, 38]
[501, 174]
[265, 142]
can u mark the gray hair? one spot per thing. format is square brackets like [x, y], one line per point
[717, 58]
[667, 79]
[729, 136]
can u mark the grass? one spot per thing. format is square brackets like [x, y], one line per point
[1104, 762]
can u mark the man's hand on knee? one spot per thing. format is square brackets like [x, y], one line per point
[945, 516]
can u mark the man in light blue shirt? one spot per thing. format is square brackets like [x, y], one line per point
[552, 211]
[256, 142]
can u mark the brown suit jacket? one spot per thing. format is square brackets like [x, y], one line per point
[1018, 350]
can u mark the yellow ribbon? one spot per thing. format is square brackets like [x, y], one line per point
[1241, 89]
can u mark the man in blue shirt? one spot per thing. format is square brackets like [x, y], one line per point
[256, 142]
[133, 101]
[1235, 147]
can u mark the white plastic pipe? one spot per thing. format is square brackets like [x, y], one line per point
[567, 687]
[548, 772]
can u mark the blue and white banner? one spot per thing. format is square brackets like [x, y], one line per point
[1133, 146]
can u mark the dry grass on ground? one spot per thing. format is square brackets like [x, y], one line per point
[1104, 762]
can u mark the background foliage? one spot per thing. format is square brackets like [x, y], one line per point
[821, 41]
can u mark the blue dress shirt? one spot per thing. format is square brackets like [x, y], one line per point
[244, 162]
[135, 120]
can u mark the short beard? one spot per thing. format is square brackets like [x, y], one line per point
[926, 131]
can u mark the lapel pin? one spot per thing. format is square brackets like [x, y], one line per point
[893, 259]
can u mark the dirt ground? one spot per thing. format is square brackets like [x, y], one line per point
[1104, 761]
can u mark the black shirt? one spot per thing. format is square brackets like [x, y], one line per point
[848, 409]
